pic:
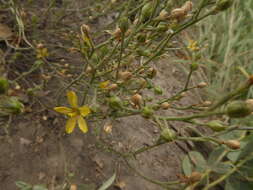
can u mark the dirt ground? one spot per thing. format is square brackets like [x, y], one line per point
[34, 148]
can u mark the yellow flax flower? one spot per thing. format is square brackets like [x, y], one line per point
[75, 113]
[193, 45]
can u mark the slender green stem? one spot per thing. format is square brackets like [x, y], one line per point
[187, 118]
[188, 79]
[120, 54]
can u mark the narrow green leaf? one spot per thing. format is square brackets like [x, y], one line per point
[108, 183]
[39, 187]
[221, 168]
[86, 187]
[23, 186]
[187, 166]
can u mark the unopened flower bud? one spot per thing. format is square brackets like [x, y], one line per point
[158, 90]
[40, 46]
[88, 69]
[207, 103]
[124, 24]
[194, 177]
[163, 15]
[112, 86]
[151, 72]
[136, 99]
[125, 75]
[117, 33]
[165, 105]
[202, 85]
[222, 5]
[233, 144]
[216, 125]
[86, 28]
[194, 66]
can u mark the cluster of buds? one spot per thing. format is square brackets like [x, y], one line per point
[125, 75]
[180, 13]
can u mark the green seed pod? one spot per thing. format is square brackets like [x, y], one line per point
[216, 125]
[158, 90]
[168, 135]
[10, 105]
[238, 108]
[115, 102]
[146, 11]
[124, 24]
[147, 112]
[222, 5]
[4, 85]
[162, 27]
[194, 66]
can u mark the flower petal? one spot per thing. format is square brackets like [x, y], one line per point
[72, 99]
[82, 124]
[84, 110]
[63, 110]
[104, 84]
[70, 125]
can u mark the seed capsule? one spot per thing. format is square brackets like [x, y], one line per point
[146, 11]
[147, 112]
[10, 105]
[237, 109]
[158, 90]
[216, 125]
[222, 5]
[115, 102]
[168, 135]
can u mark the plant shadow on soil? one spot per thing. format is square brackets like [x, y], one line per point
[37, 151]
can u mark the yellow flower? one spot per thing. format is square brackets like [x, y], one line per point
[104, 84]
[42, 53]
[75, 113]
[193, 45]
